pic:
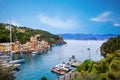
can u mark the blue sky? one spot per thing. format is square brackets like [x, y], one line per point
[64, 16]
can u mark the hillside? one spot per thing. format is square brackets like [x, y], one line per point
[111, 46]
[83, 36]
[107, 68]
[23, 34]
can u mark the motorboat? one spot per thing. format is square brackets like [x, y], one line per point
[57, 70]
[34, 53]
[74, 62]
[64, 66]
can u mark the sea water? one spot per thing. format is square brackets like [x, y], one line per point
[36, 67]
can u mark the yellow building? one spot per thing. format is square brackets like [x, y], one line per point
[2, 48]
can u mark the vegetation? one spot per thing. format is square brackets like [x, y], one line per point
[23, 34]
[5, 73]
[111, 46]
[106, 69]
[43, 78]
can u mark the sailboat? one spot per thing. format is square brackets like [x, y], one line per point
[17, 60]
[89, 50]
[13, 52]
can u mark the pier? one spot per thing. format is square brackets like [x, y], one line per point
[68, 76]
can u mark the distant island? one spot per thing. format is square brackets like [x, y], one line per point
[82, 36]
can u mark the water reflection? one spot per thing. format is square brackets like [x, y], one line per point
[38, 66]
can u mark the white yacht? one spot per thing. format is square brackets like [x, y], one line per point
[65, 67]
[34, 53]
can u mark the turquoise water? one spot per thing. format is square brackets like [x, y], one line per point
[38, 66]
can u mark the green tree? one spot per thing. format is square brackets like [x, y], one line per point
[43, 78]
[111, 45]
[5, 73]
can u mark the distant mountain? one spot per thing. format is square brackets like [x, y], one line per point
[83, 36]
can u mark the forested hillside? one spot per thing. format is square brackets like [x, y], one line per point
[111, 46]
[23, 34]
[107, 68]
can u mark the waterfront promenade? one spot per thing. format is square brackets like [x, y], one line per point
[33, 45]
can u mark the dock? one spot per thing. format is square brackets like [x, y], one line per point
[75, 63]
[68, 76]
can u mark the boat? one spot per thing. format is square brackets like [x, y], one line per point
[40, 51]
[57, 70]
[34, 53]
[8, 58]
[73, 61]
[13, 52]
[10, 65]
[64, 66]
[15, 61]
[4, 57]
[61, 68]
[4, 60]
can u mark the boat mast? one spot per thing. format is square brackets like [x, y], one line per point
[89, 48]
[10, 39]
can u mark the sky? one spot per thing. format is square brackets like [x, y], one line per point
[63, 16]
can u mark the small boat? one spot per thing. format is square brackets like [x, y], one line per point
[91, 53]
[40, 51]
[17, 60]
[10, 65]
[9, 58]
[34, 53]
[74, 62]
[4, 59]
[57, 70]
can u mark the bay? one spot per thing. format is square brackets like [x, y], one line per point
[36, 67]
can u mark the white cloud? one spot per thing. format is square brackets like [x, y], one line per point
[102, 17]
[57, 22]
[116, 24]
[107, 17]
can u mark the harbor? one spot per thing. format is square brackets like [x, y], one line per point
[11, 53]
[36, 67]
[59, 40]
[66, 67]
